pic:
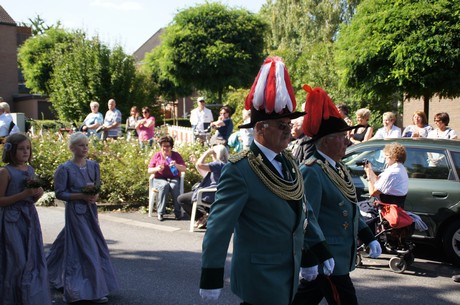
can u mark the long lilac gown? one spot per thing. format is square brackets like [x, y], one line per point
[79, 259]
[23, 273]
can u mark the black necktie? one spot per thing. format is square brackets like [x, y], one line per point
[284, 167]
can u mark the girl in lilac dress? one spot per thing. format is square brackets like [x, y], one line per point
[23, 273]
[79, 260]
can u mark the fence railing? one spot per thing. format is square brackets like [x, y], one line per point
[181, 134]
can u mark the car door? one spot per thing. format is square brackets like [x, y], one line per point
[433, 187]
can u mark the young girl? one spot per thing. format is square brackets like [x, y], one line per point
[23, 273]
[79, 259]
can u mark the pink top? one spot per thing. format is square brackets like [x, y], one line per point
[158, 159]
[146, 133]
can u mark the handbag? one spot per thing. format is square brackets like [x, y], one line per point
[396, 216]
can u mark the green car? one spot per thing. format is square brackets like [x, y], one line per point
[434, 185]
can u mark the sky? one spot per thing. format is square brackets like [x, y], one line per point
[128, 23]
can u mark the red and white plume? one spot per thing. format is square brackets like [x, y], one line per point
[318, 106]
[272, 89]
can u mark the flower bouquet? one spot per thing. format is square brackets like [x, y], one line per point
[91, 189]
[34, 182]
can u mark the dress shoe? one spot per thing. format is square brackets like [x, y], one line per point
[160, 218]
[456, 278]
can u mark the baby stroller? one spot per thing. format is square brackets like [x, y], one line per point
[203, 136]
[392, 227]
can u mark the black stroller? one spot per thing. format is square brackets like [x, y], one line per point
[393, 236]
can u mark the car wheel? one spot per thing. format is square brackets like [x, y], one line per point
[451, 242]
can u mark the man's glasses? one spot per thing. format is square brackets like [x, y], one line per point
[281, 125]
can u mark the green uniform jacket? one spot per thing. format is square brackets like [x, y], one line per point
[338, 222]
[268, 238]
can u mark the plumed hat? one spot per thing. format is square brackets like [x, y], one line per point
[322, 116]
[271, 96]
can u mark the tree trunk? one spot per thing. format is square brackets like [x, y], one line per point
[426, 105]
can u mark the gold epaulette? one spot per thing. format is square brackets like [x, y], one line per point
[238, 156]
[310, 161]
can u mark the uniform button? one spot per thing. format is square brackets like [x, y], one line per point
[345, 213]
[345, 225]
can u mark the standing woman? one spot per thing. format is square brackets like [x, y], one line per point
[442, 131]
[364, 133]
[79, 260]
[23, 273]
[420, 127]
[146, 128]
[167, 165]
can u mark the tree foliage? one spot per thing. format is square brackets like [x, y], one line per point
[73, 70]
[210, 47]
[410, 47]
[303, 32]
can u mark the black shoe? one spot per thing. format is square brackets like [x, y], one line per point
[178, 218]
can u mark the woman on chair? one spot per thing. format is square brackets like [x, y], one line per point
[392, 184]
[167, 166]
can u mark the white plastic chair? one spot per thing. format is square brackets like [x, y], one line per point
[153, 193]
[199, 201]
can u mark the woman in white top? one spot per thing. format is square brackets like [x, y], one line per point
[420, 129]
[441, 120]
[392, 184]
[389, 130]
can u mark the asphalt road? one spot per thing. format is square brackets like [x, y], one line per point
[158, 263]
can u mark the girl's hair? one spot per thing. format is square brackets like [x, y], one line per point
[77, 137]
[11, 146]
[221, 152]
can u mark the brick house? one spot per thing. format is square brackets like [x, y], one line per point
[12, 87]
[451, 106]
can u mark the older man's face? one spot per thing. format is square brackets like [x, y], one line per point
[111, 104]
[274, 134]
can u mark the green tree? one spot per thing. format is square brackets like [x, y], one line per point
[211, 47]
[406, 47]
[303, 32]
[37, 56]
[38, 25]
[73, 70]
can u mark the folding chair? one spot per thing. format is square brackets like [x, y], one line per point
[199, 201]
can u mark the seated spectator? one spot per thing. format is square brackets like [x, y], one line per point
[362, 134]
[389, 129]
[13, 128]
[392, 185]
[131, 121]
[224, 126]
[167, 165]
[235, 142]
[441, 131]
[211, 174]
[146, 128]
[420, 127]
[92, 120]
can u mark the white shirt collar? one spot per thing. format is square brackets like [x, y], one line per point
[328, 159]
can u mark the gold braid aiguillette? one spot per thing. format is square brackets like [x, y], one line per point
[285, 189]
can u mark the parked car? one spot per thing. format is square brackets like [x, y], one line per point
[434, 185]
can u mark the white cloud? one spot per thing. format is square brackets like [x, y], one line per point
[118, 5]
